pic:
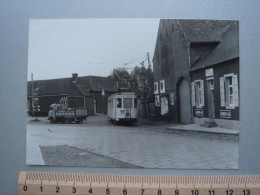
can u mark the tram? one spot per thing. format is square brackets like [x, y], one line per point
[122, 107]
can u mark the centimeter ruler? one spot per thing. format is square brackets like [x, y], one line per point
[35, 183]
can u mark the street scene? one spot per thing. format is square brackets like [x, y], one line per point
[100, 143]
[165, 96]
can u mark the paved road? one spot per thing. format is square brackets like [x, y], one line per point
[127, 146]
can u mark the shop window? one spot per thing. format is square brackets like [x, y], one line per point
[229, 91]
[197, 88]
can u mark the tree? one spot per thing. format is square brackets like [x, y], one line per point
[142, 77]
[120, 75]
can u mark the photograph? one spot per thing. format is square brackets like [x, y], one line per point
[140, 93]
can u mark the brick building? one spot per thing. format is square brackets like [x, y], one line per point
[90, 92]
[196, 71]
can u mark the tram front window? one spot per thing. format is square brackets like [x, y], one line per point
[135, 103]
[128, 102]
[119, 103]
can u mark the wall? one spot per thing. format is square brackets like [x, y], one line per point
[228, 67]
[171, 64]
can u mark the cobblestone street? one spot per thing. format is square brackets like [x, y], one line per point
[128, 146]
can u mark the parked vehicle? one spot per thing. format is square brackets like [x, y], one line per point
[122, 107]
[61, 113]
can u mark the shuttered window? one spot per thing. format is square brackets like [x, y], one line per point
[197, 88]
[229, 91]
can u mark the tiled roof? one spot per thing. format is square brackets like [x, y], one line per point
[211, 41]
[227, 49]
[65, 85]
[84, 90]
[97, 83]
[51, 87]
[206, 30]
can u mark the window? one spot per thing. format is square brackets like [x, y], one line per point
[197, 88]
[118, 103]
[135, 102]
[229, 91]
[157, 101]
[156, 90]
[162, 86]
[128, 102]
[103, 92]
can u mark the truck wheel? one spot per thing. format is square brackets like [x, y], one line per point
[52, 121]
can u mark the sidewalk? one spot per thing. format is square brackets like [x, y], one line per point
[198, 128]
[152, 122]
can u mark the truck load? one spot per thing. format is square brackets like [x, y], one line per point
[61, 113]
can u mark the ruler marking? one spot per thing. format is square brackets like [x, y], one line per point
[91, 178]
[56, 176]
[48, 176]
[86, 178]
[72, 177]
[153, 181]
[52, 177]
[38, 176]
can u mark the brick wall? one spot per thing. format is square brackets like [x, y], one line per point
[170, 63]
[220, 70]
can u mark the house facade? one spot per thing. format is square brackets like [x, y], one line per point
[90, 92]
[196, 71]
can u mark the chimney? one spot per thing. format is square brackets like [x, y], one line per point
[74, 77]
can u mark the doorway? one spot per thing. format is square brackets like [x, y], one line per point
[185, 102]
[211, 101]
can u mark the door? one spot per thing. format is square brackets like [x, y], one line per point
[185, 102]
[95, 106]
[211, 102]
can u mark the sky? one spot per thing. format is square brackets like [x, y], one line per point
[60, 47]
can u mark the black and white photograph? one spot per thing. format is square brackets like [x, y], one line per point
[133, 93]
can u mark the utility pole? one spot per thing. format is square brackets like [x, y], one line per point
[149, 62]
[32, 94]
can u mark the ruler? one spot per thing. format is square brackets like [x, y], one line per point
[35, 183]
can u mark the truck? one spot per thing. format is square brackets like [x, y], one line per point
[61, 113]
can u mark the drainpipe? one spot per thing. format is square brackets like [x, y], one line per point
[186, 39]
[188, 45]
